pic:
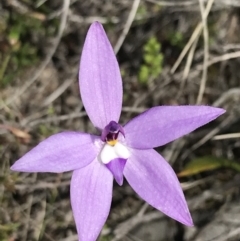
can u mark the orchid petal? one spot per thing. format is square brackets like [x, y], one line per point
[61, 152]
[116, 167]
[100, 79]
[91, 196]
[154, 180]
[160, 125]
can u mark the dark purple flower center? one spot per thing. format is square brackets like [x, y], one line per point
[110, 133]
[110, 136]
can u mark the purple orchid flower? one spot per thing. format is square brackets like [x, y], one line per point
[119, 151]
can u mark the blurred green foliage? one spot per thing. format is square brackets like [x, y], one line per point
[141, 12]
[107, 237]
[46, 131]
[152, 61]
[7, 229]
[176, 39]
[20, 52]
[207, 163]
[50, 110]
[20, 49]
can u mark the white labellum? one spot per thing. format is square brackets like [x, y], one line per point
[108, 152]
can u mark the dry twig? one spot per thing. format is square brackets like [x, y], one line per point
[124, 228]
[186, 70]
[127, 26]
[226, 136]
[195, 34]
[206, 52]
[227, 122]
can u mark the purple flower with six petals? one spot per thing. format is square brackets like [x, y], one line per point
[119, 150]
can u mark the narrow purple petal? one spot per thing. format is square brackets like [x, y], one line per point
[116, 167]
[91, 196]
[100, 79]
[160, 125]
[61, 152]
[154, 180]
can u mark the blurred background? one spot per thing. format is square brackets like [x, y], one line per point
[172, 52]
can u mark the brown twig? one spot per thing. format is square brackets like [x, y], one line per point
[206, 51]
[127, 26]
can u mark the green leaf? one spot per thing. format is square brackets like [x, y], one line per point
[144, 74]
[149, 59]
[152, 61]
[206, 163]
